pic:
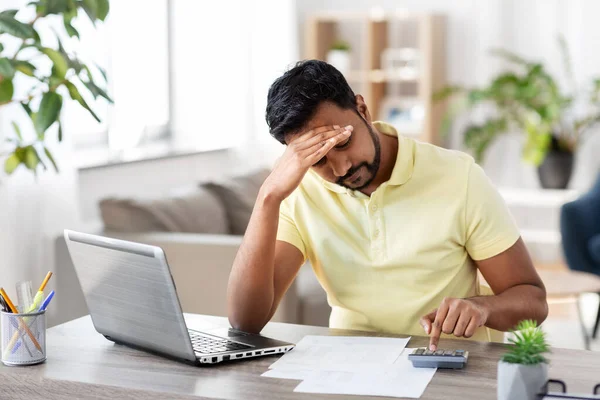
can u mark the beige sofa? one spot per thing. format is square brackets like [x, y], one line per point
[200, 262]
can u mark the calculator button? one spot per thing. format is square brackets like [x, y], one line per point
[419, 351]
[428, 353]
[460, 352]
[449, 352]
[438, 353]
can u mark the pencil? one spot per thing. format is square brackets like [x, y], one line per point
[45, 281]
[23, 324]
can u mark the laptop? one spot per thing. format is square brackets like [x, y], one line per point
[132, 300]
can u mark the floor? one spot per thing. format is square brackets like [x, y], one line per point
[562, 326]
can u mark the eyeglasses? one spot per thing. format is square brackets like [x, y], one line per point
[546, 395]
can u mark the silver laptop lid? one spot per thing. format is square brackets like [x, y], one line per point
[130, 293]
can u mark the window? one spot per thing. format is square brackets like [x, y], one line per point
[133, 48]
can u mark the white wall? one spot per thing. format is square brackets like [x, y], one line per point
[529, 27]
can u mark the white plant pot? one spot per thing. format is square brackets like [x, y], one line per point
[340, 59]
[520, 382]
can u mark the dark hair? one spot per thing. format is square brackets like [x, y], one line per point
[294, 97]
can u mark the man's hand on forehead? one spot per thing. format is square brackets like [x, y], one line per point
[301, 153]
[320, 134]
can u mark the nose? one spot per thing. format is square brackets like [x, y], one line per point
[340, 166]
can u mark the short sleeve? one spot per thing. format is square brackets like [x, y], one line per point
[288, 230]
[490, 228]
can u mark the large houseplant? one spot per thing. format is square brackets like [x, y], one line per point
[27, 64]
[528, 99]
[523, 370]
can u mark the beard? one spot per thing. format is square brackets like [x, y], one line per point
[372, 167]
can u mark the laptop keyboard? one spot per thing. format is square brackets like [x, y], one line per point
[207, 344]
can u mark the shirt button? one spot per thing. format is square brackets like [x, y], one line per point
[376, 233]
[374, 207]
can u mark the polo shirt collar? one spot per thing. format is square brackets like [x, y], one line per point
[403, 168]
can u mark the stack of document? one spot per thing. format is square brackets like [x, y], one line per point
[353, 366]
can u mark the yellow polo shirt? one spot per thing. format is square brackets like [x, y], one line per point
[388, 259]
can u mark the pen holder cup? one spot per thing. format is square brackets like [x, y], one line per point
[23, 338]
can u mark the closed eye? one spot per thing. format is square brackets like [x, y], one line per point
[340, 146]
[320, 162]
[345, 144]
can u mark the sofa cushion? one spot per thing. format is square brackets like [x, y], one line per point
[194, 210]
[238, 195]
[594, 247]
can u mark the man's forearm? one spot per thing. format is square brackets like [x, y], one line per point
[250, 291]
[505, 310]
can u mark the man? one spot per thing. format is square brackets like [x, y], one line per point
[395, 229]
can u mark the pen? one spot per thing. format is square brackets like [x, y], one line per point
[21, 323]
[47, 301]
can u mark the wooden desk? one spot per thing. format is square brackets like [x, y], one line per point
[82, 364]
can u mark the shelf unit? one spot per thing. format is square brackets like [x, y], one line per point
[369, 34]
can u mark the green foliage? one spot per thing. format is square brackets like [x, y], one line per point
[527, 99]
[340, 45]
[529, 345]
[67, 71]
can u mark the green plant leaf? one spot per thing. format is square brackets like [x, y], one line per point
[96, 91]
[7, 71]
[509, 56]
[103, 72]
[48, 113]
[91, 9]
[13, 27]
[60, 67]
[31, 159]
[56, 6]
[103, 8]
[40, 8]
[27, 109]
[528, 345]
[476, 96]
[51, 158]
[479, 137]
[71, 31]
[566, 58]
[537, 143]
[10, 13]
[24, 67]
[75, 95]
[6, 90]
[446, 92]
[67, 18]
[11, 163]
[1, 47]
[17, 131]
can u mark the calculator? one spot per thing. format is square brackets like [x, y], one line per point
[425, 358]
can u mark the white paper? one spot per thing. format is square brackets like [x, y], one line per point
[398, 380]
[296, 374]
[341, 353]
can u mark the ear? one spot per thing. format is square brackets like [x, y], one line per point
[362, 108]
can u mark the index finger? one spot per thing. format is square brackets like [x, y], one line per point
[436, 329]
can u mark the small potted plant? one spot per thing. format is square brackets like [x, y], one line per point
[339, 56]
[523, 370]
